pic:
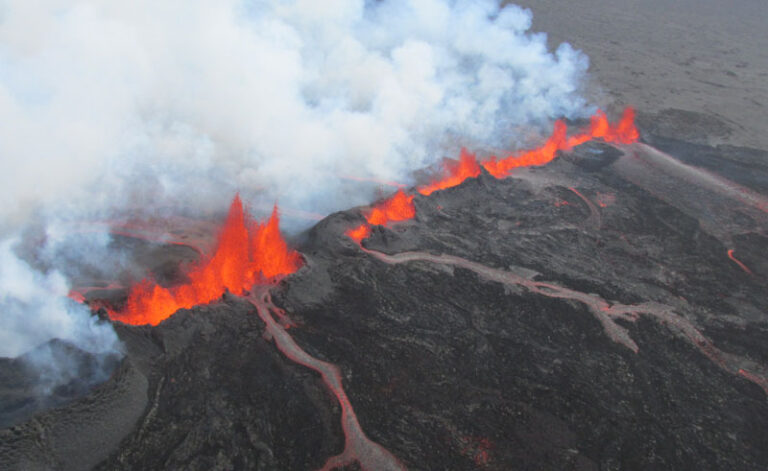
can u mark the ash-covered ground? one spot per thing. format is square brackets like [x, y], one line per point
[607, 311]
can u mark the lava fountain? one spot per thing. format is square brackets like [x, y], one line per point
[399, 206]
[247, 252]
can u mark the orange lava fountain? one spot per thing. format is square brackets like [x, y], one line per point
[455, 173]
[400, 206]
[397, 207]
[623, 132]
[543, 155]
[247, 252]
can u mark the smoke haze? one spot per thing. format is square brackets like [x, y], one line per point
[149, 105]
[146, 103]
[34, 309]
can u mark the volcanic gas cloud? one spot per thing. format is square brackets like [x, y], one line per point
[282, 100]
[247, 252]
[400, 206]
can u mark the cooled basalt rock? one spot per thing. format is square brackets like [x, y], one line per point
[497, 345]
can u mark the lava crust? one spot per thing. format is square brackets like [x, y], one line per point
[575, 316]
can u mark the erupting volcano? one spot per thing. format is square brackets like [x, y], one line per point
[465, 283]
[587, 295]
[400, 207]
[247, 252]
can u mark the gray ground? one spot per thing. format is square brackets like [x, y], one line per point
[704, 56]
[548, 385]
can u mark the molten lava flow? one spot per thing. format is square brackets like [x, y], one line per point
[477, 448]
[77, 296]
[400, 206]
[594, 214]
[397, 207]
[358, 448]
[246, 253]
[500, 168]
[739, 262]
[454, 172]
[359, 233]
[623, 132]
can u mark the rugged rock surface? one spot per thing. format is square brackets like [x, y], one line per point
[460, 372]
[576, 316]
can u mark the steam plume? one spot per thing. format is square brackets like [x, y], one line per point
[152, 103]
[114, 106]
[35, 309]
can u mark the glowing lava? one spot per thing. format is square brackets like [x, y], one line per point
[359, 233]
[247, 252]
[358, 448]
[739, 262]
[623, 132]
[594, 214]
[397, 207]
[400, 206]
[455, 172]
[543, 155]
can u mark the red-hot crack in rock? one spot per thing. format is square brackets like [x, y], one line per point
[760, 380]
[400, 206]
[739, 262]
[594, 214]
[478, 449]
[605, 312]
[357, 446]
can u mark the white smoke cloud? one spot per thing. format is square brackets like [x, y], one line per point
[151, 104]
[168, 103]
[34, 309]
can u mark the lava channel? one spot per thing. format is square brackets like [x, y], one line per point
[357, 446]
[739, 262]
[605, 312]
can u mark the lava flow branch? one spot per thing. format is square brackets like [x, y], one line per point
[358, 448]
[247, 252]
[400, 206]
[607, 313]
[248, 258]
